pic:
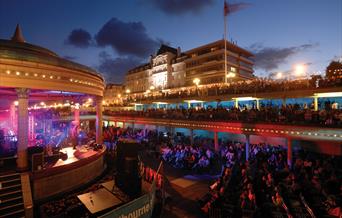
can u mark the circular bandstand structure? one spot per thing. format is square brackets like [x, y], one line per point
[32, 77]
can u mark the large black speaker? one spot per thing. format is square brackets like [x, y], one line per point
[128, 177]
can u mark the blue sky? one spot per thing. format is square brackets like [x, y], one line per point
[280, 33]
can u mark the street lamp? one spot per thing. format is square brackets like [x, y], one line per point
[279, 75]
[128, 91]
[196, 81]
[230, 76]
[300, 70]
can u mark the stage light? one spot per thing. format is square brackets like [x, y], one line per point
[16, 103]
[42, 103]
[128, 91]
[90, 99]
[17, 73]
[8, 72]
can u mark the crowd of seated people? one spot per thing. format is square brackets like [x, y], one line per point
[241, 87]
[289, 114]
[266, 187]
[195, 158]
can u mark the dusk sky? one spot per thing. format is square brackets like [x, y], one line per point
[113, 36]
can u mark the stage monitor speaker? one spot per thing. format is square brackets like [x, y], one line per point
[128, 177]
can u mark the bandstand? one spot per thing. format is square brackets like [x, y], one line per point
[34, 80]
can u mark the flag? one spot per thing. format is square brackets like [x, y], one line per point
[226, 8]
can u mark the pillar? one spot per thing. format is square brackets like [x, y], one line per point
[191, 137]
[99, 121]
[257, 104]
[172, 131]
[316, 103]
[236, 103]
[289, 152]
[216, 142]
[247, 147]
[23, 94]
[284, 101]
[13, 117]
[31, 127]
[77, 115]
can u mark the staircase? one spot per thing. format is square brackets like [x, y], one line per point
[11, 198]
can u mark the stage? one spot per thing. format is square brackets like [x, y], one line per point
[82, 166]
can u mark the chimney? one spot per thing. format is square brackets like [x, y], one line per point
[151, 61]
[179, 51]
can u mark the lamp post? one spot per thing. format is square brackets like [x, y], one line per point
[230, 76]
[196, 81]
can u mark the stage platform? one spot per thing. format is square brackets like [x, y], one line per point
[82, 166]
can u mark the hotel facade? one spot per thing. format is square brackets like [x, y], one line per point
[170, 68]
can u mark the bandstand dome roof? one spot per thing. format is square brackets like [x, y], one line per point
[18, 49]
[26, 65]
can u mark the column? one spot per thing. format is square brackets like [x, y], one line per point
[99, 121]
[172, 131]
[315, 103]
[257, 104]
[191, 137]
[77, 115]
[247, 147]
[13, 116]
[284, 101]
[289, 152]
[216, 142]
[236, 103]
[23, 94]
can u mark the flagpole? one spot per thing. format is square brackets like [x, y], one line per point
[225, 43]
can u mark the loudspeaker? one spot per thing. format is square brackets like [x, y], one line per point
[128, 177]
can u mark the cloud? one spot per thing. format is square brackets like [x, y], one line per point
[126, 38]
[114, 69]
[178, 7]
[79, 38]
[235, 7]
[269, 58]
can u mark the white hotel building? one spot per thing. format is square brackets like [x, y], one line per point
[171, 68]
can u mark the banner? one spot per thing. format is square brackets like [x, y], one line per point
[141, 207]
